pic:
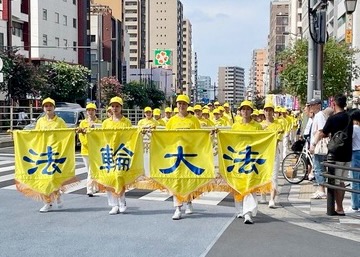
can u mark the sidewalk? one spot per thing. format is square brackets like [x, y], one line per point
[6, 140]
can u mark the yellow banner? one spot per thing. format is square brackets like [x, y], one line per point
[115, 156]
[246, 159]
[44, 159]
[182, 161]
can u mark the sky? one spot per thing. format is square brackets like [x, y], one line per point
[225, 32]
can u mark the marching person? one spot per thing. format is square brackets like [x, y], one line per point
[50, 121]
[183, 120]
[89, 122]
[157, 117]
[248, 207]
[148, 121]
[116, 121]
[168, 114]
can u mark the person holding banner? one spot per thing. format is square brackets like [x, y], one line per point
[182, 120]
[148, 121]
[248, 207]
[116, 121]
[48, 122]
[89, 122]
[168, 114]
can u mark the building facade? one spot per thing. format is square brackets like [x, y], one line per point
[257, 71]
[205, 89]
[187, 57]
[231, 84]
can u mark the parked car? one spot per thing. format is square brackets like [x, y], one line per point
[71, 116]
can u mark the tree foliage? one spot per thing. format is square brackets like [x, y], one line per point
[110, 87]
[339, 67]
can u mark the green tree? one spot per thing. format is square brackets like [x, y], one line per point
[110, 87]
[21, 78]
[259, 101]
[155, 97]
[339, 67]
[65, 82]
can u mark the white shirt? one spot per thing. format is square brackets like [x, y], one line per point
[317, 124]
[356, 138]
[308, 126]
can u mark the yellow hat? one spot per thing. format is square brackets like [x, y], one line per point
[247, 103]
[206, 111]
[206, 107]
[109, 108]
[147, 109]
[157, 111]
[209, 103]
[255, 112]
[190, 109]
[261, 111]
[269, 105]
[91, 106]
[226, 105]
[283, 109]
[278, 109]
[221, 108]
[116, 99]
[176, 110]
[48, 100]
[197, 107]
[168, 109]
[216, 103]
[216, 111]
[183, 98]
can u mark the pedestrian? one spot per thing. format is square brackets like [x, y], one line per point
[246, 208]
[182, 120]
[116, 121]
[90, 122]
[50, 121]
[22, 117]
[340, 121]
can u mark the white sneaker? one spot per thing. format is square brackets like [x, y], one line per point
[239, 215]
[272, 204]
[122, 207]
[114, 210]
[350, 210]
[248, 219]
[46, 208]
[189, 208]
[177, 215]
[262, 198]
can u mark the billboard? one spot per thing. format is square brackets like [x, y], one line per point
[162, 57]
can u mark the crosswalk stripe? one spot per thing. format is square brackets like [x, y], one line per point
[5, 162]
[156, 195]
[211, 198]
[7, 168]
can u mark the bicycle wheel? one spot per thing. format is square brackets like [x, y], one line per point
[294, 168]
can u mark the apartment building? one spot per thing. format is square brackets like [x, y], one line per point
[205, 89]
[257, 71]
[231, 84]
[187, 57]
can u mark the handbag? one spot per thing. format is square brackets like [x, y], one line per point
[321, 147]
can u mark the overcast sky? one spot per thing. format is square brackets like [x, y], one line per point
[225, 32]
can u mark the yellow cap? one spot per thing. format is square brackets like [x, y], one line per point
[190, 109]
[206, 107]
[176, 110]
[206, 111]
[90, 106]
[157, 111]
[183, 98]
[226, 105]
[147, 109]
[197, 107]
[116, 99]
[216, 111]
[283, 109]
[269, 105]
[216, 103]
[278, 109]
[221, 108]
[168, 109]
[48, 100]
[209, 103]
[261, 111]
[255, 112]
[109, 108]
[247, 103]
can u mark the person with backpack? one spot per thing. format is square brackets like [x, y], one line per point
[340, 129]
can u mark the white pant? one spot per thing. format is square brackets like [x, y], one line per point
[177, 202]
[90, 187]
[248, 205]
[277, 161]
[285, 145]
[114, 200]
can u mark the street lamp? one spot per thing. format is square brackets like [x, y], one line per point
[287, 33]
[350, 6]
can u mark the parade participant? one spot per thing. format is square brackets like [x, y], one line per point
[255, 115]
[90, 122]
[168, 114]
[116, 121]
[261, 116]
[206, 118]
[248, 207]
[226, 120]
[190, 110]
[228, 114]
[50, 121]
[270, 124]
[183, 120]
[238, 115]
[157, 117]
[176, 110]
[198, 111]
[109, 112]
[218, 121]
[148, 121]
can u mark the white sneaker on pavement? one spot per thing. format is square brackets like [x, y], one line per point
[262, 198]
[46, 208]
[177, 214]
[114, 210]
[189, 208]
[122, 207]
[248, 219]
[272, 204]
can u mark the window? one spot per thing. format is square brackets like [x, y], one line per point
[74, 2]
[65, 43]
[56, 17]
[57, 41]
[65, 20]
[74, 23]
[74, 46]
[92, 38]
[44, 40]
[44, 12]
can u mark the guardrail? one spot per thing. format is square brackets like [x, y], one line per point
[331, 186]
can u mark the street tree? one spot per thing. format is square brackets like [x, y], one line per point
[339, 68]
[110, 87]
[65, 82]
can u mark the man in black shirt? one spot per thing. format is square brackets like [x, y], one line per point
[338, 122]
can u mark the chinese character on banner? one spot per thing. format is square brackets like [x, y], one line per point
[120, 159]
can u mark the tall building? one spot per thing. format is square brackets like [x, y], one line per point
[165, 32]
[279, 23]
[205, 89]
[295, 20]
[257, 70]
[231, 84]
[187, 57]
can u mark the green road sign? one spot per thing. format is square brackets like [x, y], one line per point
[162, 57]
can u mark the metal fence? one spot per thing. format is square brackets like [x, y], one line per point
[10, 117]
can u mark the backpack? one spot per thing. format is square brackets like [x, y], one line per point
[337, 141]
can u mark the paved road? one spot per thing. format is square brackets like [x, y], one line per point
[83, 227]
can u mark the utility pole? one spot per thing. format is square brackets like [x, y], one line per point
[311, 58]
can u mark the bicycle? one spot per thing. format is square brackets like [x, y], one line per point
[294, 166]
